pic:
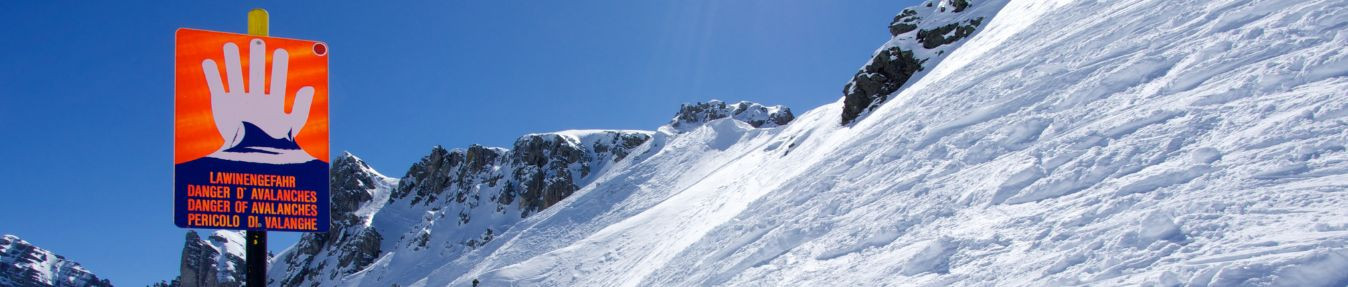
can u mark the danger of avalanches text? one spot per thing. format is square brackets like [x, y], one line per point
[256, 195]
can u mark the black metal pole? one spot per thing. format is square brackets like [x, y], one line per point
[256, 255]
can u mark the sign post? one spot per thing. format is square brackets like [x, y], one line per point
[250, 153]
[255, 247]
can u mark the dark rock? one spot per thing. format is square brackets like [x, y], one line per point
[350, 183]
[756, 115]
[479, 158]
[960, 5]
[427, 178]
[890, 68]
[937, 37]
[542, 167]
[871, 86]
[905, 22]
[353, 184]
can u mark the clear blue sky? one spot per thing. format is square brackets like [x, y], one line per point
[86, 90]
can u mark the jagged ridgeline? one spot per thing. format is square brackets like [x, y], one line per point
[921, 36]
[756, 115]
[539, 171]
[454, 201]
[483, 189]
[23, 264]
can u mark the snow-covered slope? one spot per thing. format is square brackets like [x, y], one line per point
[23, 264]
[1068, 142]
[1058, 142]
[453, 202]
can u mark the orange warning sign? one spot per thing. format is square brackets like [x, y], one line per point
[305, 64]
[250, 132]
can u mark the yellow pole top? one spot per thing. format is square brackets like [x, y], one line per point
[257, 22]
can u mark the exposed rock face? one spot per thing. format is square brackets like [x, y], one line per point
[23, 264]
[539, 171]
[427, 176]
[904, 22]
[959, 5]
[883, 75]
[937, 24]
[350, 183]
[942, 35]
[351, 243]
[756, 115]
[543, 168]
[217, 260]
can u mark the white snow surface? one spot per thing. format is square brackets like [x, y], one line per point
[1099, 143]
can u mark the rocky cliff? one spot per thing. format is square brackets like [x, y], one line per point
[350, 244]
[921, 37]
[217, 260]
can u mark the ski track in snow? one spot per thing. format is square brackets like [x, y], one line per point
[1067, 143]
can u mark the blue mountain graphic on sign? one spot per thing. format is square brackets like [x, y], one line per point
[254, 137]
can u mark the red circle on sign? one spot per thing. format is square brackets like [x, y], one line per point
[320, 49]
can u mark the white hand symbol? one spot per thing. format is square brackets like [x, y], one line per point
[264, 109]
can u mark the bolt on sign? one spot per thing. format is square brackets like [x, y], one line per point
[250, 132]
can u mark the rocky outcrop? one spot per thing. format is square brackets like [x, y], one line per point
[920, 34]
[756, 115]
[217, 260]
[947, 34]
[905, 22]
[883, 75]
[539, 171]
[959, 5]
[427, 176]
[351, 182]
[543, 169]
[23, 264]
[351, 243]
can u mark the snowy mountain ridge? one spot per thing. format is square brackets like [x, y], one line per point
[455, 201]
[1065, 142]
[692, 116]
[23, 264]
